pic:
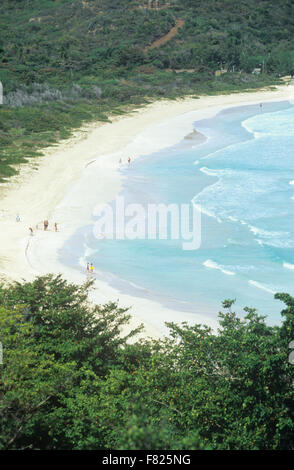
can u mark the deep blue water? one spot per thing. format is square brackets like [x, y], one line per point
[241, 178]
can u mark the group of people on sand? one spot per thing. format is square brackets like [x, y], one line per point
[90, 268]
[45, 225]
[129, 161]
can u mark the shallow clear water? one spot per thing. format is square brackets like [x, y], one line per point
[241, 177]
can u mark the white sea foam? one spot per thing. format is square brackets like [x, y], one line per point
[209, 172]
[89, 252]
[209, 213]
[255, 230]
[276, 243]
[212, 265]
[275, 239]
[281, 244]
[261, 286]
[260, 242]
[288, 265]
[262, 234]
[278, 123]
[217, 173]
[265, 233]
[250, 130]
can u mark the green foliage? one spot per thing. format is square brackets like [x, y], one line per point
[68, 62]
[70, 380]
[87, 37]
[55, 346]
[29, 379]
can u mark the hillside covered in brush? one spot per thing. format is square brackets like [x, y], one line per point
[47, 39]
[63, 62]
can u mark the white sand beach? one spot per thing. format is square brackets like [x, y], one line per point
[57, 190]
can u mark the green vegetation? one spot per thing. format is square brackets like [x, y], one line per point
[65, 62]
[69, 380]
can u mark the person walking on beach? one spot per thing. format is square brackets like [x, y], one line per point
[55, 227]
[31, 231]
[88, 267]
[46, 223]
[129, 160]
[17, 218]
[91, 269]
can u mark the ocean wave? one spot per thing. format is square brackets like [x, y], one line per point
[212, 265]
[209, 172]
[288, 265]
[246, 269]
[276, 243]
[88, 252]
[233, 219]
[262, 286]
[217, 173]
[225, 151]
[208, 213]
[272, 238]
[279, 123]
[239, 195]
[266, 233]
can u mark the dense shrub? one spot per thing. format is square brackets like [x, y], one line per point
[71, 380]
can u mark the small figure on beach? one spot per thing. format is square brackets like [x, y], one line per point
[88, 267]
[46, 223]
[31, 231]
[129, 160]
[120, 161]
[260, 105]
[55, 227]
[17, 218]
[91, 268]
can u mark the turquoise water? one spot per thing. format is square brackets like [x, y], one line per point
[241, 177]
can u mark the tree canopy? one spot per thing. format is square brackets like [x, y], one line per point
[71, 380]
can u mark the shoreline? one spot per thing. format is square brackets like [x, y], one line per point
[57, 191]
